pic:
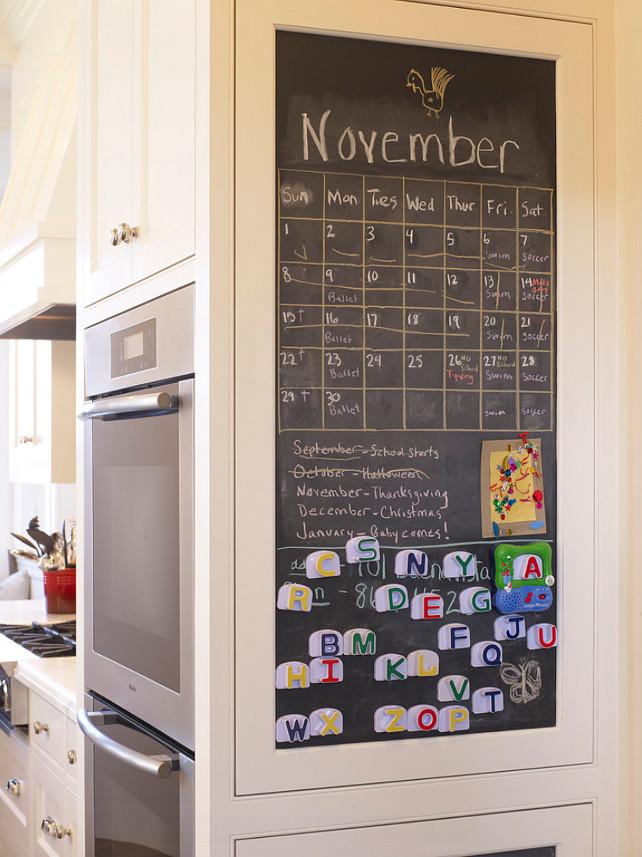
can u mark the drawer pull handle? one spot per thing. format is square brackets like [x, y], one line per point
[50, 828]
[39, 727]
[14, 786]
[71, 757]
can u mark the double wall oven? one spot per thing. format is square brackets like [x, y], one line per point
[139, 640]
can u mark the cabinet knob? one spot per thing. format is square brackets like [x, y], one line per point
[114, 237]
[39, 727]
[14, 786]
[71, 757]
[127, 233]
[49, 826]
[24, 439]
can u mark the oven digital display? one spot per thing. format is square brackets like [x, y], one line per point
[134, 349]
[133, 345]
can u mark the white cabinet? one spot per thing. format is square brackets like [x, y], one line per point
[42, 428]
[53, 742]
[138, 142]
[37, 791]
[53, 825]
[14, 792]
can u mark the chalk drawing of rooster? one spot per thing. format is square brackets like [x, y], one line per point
[432, 99]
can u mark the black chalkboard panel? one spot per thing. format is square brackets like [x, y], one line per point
[526, 852]
[415, 320]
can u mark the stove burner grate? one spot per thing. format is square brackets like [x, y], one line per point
[45, 641]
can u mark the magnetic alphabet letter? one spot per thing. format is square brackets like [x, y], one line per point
[359, 641]
[326, 721]
[423, 662]
[390, 668]
[292, 674]
[510, 627]
[488, 700]
[475, 599]
[362, 549]
[543, 636]
[454, 718]
[411, 563]
[391, 597]
[293, 727]
[453, 636]
[322, 564]
[453, 688]
[390, 718]
[422, 718]
[326, 670]
[427, 606]
[460, 564]
[486, 654]
[324, 643]
[294, 596]
[528, 566]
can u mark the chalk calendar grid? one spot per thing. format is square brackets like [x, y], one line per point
[414, 304]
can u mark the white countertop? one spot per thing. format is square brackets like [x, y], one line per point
[54, 678]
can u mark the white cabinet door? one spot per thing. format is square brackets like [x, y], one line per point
[164, 85]
[138, 142]
[42, 411]
[112, 146]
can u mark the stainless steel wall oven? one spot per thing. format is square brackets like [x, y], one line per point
[139, 590]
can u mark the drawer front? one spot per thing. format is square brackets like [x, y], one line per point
[14, 788]
[73, 746]
[51, 813]
[48, 729]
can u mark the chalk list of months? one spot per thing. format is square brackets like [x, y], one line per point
[414, 304]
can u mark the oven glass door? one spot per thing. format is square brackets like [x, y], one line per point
[140, 551]
[134, 812]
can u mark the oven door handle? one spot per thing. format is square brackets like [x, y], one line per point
[157, 766]
[140, 403]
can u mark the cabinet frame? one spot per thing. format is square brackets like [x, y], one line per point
[260, 767]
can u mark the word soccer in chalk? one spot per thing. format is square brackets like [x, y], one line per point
[453, 684]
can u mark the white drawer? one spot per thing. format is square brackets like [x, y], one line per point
[73, 746]
[51, 812]
[48, 729]
[14, 789]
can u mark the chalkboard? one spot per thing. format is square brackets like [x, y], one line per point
[416, 391]
[525, 852]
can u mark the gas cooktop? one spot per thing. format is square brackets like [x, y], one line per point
[45, 641]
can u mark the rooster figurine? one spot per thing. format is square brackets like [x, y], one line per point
[432, 99]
